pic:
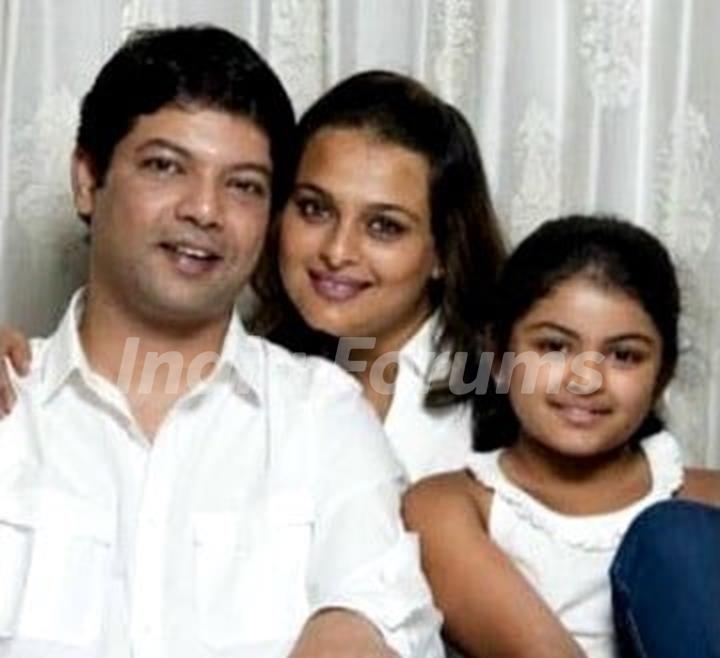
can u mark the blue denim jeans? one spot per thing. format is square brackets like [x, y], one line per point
[666, 583]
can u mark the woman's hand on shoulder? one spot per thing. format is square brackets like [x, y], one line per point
[14, 346]
[702, 485]
[489, 607]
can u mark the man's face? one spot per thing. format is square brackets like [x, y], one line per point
[179, 222]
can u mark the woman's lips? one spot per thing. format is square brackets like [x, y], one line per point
[334, 287]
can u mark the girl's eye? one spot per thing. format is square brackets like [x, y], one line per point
[385, 227]
[547, 345]
[249, 186]
[312, 209]
[161, 165]
[626, 356]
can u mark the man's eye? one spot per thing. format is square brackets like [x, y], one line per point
[251, 187]
[161, 165]
[385, 227]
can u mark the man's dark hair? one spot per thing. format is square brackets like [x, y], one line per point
[196, 65]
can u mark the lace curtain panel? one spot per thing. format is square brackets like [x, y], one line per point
[579, 105]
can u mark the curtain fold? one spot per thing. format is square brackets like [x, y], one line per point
[579, 105]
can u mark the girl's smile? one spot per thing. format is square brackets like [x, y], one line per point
[603, 335]
[578, 413]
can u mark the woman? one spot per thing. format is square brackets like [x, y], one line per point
[388, 237]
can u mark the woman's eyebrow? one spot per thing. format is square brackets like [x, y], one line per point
[393, 207]
[311, 187]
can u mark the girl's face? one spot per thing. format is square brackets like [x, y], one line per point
[356, 246]
[600, 357]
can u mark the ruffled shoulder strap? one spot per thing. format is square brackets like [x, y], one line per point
[588, 533]
[485, 467]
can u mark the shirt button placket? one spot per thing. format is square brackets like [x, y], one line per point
[150, 557]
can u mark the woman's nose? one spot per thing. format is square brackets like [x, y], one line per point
[341, 245]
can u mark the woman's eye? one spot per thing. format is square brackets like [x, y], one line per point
[312, 209]
[385, 227]
[160, 165]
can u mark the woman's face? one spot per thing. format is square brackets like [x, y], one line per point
[356, 245]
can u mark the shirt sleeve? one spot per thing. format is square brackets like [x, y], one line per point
[362, 559]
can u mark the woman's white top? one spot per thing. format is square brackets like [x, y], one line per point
[567, 558]
[426, 441]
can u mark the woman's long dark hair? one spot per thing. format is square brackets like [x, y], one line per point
[401, 111]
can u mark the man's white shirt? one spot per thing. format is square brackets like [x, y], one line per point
[269, 492]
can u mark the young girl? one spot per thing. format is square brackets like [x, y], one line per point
[586, 315]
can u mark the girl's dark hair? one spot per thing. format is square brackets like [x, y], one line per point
[610, 251]
[401, 111]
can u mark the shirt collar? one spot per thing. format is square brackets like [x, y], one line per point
[65, 355]
[420, 351]
[240, 355]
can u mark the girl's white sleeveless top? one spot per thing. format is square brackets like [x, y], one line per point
[567, 558]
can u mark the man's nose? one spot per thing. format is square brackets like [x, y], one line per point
[201, 202]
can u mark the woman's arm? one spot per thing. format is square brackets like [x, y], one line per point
[490, 609]
[15, 347]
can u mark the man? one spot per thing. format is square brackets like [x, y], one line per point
[244, 505]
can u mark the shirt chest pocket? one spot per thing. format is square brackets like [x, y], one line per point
[54, 568]
[250, 578]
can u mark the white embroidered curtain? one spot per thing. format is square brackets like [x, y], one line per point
[579, 105]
